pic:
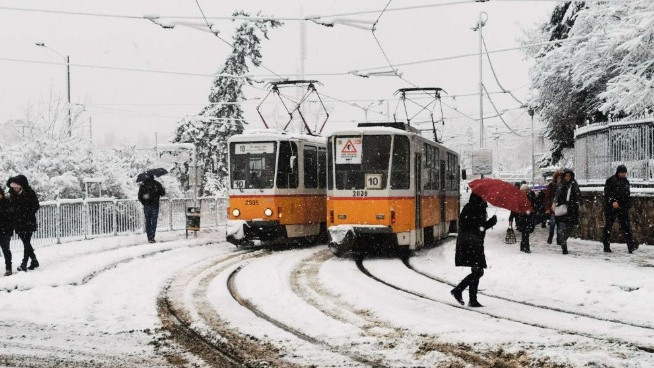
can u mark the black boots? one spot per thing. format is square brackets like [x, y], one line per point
[34, 264]
[23, 265]
[564, 249]
[8, 271]
[458, 295]
[474, 304]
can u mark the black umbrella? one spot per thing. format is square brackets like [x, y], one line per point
[152, 172]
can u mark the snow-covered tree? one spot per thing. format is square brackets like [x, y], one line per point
[604, 68]
[223, 116]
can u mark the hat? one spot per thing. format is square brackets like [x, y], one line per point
[621, 169]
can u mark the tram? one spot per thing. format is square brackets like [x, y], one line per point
[389, 187]
[277, 188]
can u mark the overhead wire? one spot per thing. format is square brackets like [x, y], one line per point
[499, 115]
[497, 80]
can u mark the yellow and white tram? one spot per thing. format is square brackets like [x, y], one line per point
[389, 187]
[277, 184]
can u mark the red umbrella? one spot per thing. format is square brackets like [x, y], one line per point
[502, 194]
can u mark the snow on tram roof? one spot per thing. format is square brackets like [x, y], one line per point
[273, 134]
[373, 130]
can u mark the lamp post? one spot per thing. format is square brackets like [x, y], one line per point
[67, 59]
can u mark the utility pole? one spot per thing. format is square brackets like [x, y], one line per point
[533, 143]
[70, 119]
[483, 17]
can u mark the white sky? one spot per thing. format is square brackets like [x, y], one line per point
[155, 102]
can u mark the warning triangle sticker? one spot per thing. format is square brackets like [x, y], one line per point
[349, 147]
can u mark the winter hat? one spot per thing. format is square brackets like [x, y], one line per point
[20, 180]
[524, 188]
[621, 169]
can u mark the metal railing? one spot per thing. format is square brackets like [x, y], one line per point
[601, 147]
[78, 219]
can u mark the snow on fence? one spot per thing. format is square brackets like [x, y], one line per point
[601, 147]
[78, 219]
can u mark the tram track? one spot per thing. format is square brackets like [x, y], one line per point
[231, 286]
[365, 271]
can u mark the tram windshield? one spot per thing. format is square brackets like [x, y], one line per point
[362, 162]
[252, 165]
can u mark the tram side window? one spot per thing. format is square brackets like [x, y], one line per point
[330, 166]
[400, 172]
[310, 167]
[322, 168]
[287, 174]
[431, 176]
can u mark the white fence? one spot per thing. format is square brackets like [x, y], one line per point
[600, 148]
[78, 219]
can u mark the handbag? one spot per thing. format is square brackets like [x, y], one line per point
[510, 236]
[562, 210]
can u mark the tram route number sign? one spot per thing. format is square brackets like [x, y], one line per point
[482, 162]
[348, 150]
[254, 148]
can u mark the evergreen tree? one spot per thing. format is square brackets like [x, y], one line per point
[223, 116]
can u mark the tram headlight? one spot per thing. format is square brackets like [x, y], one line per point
[268, 212]
[236, 212]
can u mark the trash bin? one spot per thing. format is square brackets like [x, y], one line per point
[192, 220]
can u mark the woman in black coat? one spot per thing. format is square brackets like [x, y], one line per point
[6, 230]
[470, 247]
[568, 194]
[24, 204]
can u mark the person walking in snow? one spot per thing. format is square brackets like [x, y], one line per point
[550, 191]
[149, 194]
[617, 199]
[566, 207]
[6, 230]
[24, 204]
[470, 247]
[525, 222]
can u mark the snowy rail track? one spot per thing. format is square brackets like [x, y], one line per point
[596, 329]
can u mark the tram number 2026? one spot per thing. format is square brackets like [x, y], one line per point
[359, 193]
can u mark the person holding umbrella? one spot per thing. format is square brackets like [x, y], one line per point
[470, 247]
[149, 194]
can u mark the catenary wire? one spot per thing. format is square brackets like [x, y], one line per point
[499, 115]
[497, 80]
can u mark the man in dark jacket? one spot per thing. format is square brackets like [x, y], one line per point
[6, 230]
[568, 195]
[617, 200]
[149, 194]
[470, 247]
[24, 204]
[525, 222]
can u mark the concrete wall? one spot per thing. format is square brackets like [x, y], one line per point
[591, 219]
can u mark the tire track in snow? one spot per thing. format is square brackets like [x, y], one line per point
[365, 271]
[407, 263]
[231, 286]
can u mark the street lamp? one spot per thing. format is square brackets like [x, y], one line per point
[67, 59]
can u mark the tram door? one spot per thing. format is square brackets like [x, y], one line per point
[418, 196]
[442, 191]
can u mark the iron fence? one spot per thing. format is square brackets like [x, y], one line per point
[78, 219]
[600, 148]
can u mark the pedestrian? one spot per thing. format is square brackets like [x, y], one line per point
[525, 222]
[566, 207]
[617, 199]
[149, 194]
[550, 191]
[470, 247]
[24, 204]
[6, 230]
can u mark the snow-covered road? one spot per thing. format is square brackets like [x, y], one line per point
[201, 302]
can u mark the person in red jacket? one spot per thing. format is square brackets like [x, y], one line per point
[549, 196]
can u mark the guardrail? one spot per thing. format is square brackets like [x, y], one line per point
[78, 219]
[601, 147]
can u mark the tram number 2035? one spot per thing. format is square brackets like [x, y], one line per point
[359, 193]
[251, 202]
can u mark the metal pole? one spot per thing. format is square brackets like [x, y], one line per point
[533, 143]
[195, 176]
[70, 121]
[481, 84]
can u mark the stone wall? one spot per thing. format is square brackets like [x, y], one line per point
[591, 219]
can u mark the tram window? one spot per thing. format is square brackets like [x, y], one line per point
[252, 165]
[400, 173]
[375, 156]
[322, 168]
[310, 167]
[287, 174]
[330, 166]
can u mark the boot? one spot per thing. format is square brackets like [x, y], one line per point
[474, 304]
[34, 264]
[549, 240]
[23, 266]
[564, 248]
[458, 295]
[8, 271]
[527, 250]
[607, 249]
